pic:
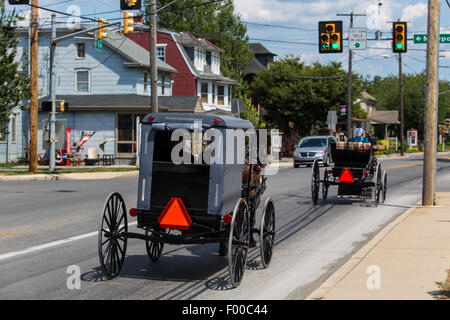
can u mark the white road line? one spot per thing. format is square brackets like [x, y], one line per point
[52, 244]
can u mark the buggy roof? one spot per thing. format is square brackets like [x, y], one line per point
[207, 119]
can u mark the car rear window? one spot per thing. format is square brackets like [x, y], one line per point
[313, 142]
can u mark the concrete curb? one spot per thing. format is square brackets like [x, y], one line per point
[344, 270]
[71, 176]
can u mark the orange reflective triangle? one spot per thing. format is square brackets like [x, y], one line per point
[175, 216]
[346, 176]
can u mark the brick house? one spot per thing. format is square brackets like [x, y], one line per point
[198, 66]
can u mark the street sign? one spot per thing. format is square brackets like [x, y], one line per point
[99, 45]
[332, 120]
[422, 38]
[357, 38]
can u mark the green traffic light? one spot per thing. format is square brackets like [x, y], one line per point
[335, 46]
[399, 46]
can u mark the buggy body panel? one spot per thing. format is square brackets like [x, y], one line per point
[206, 189]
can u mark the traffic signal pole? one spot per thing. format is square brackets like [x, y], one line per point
[402, 117]
[349, 76]
[430, 146]
[52, 96]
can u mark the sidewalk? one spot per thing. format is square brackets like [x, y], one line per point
[406, 259]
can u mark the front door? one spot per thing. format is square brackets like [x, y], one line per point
[126, 134]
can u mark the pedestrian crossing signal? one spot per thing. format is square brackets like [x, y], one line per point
[330, 36]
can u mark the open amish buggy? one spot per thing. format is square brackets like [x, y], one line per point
[356, 171]
[196, 200]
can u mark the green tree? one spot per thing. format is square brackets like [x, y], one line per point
[14, 86]
[251, 114]
[386, 90]
[215, 21]
[292, 92]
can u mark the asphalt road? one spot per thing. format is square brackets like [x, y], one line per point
[47, 226]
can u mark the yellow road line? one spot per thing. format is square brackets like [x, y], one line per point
[404, 165]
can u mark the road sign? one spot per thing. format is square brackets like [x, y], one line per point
[332, 120]
[357, 38]
[99, 45]
[422, 38]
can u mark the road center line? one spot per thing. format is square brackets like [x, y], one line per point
[404, 165]
[52, 244]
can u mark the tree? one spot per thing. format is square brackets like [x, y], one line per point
[386, 90]
[292, 92]
[216, 22]
[14, 86]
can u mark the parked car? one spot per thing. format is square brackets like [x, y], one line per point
[312, 148]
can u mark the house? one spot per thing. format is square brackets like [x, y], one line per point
[13, 141]
[383, 120]
[198, 66]
[106, 90]
[261, 61]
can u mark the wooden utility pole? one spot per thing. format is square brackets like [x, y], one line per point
[349, 77]
[33, 86]
[402, 117]
[429, 166]
[153, 67]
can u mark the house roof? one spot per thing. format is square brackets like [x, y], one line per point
[128, 101]
[205, 75]
[367, 96]
[384, 117]
[134, 52]
[254, 66]
[258, 48]
[130, 50]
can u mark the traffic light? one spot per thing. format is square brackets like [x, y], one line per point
[130, 4]
[63, 106]
[103, 32]
[330, 36]
[400, 42]
[16, 2]
[128, 22]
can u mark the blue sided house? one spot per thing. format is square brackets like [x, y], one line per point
[107, 90]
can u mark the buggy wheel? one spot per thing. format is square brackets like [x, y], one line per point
[384, 189]
[154, 248]
[325, 185]
[376, 192]
[267, 233]
[238, 243]
[223, 249]
[112, 244]
[315, 182]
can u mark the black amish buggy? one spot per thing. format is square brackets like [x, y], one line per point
[200, 199]
[355, 170]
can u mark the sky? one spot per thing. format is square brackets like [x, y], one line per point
[295, 22]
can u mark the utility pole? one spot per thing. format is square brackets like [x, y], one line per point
[402, 118]
[153, 68]
[52, 96]
[33, 87]
[349, 76]
[429, 166]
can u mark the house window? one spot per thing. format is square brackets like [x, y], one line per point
[161, 52]
[82, 81]
[204, 92]
[163, 85]
[81, 50]
[13, 130]
[126, 134]
[221, 95]
[145, 82]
